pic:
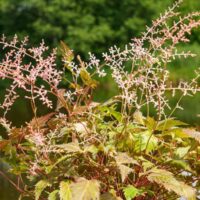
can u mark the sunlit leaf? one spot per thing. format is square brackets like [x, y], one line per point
[138, 117]
[150, 123]
[124, 171]
[39, 187]
[67, 54]
[166, 179]
[169, 123]
[86, 78]
[181, 164]
[131, 192]
[145, 141]
[49, 168]
[85, 190]
[71, 147]
[180, 152]
[53, 195]
[65, 192]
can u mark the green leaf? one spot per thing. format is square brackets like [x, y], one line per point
[150, 123]
[168, 124]
[85, 190]
[146, 164]
[65, 192]
[48, 169]
[92, 149]
[181, 151]
[116, 115]
[111, 111]
[87, 80]
[145, 141]
[166, 179]
[71, 147]
[39, 187]
[177, 132]
[67, 54]
[131, 192]
[53, 195]
[138, 117]
[181, 164]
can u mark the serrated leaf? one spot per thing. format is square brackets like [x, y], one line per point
[40, 122]
[85, 190]
[67, 54]
[181, 164]
[121, 159]
[116, 115]
[146, 164]
[180, 152]
[71, 147]
[39, 187]
[65, 192]
[53, 195]
[50, 168]
[86, 78]
[124, 158]
[145, 141]
[177, 132]
[166, 179]
[138, 117]
[150, 123]
[92, 149]
[168, 124]
[131, 192]
[124, 171]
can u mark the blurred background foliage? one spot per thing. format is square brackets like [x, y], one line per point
[92, 25]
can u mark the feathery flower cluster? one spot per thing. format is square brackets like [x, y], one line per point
[148, 81]
[145, 83]
[25, 66]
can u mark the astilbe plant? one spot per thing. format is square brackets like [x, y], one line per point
[84, 150]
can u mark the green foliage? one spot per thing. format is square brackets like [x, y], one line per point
[65, 192]
[133, 162]
[39, 188]
[167, 180]
[131, 192]
[53, 195]
[85, 190]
